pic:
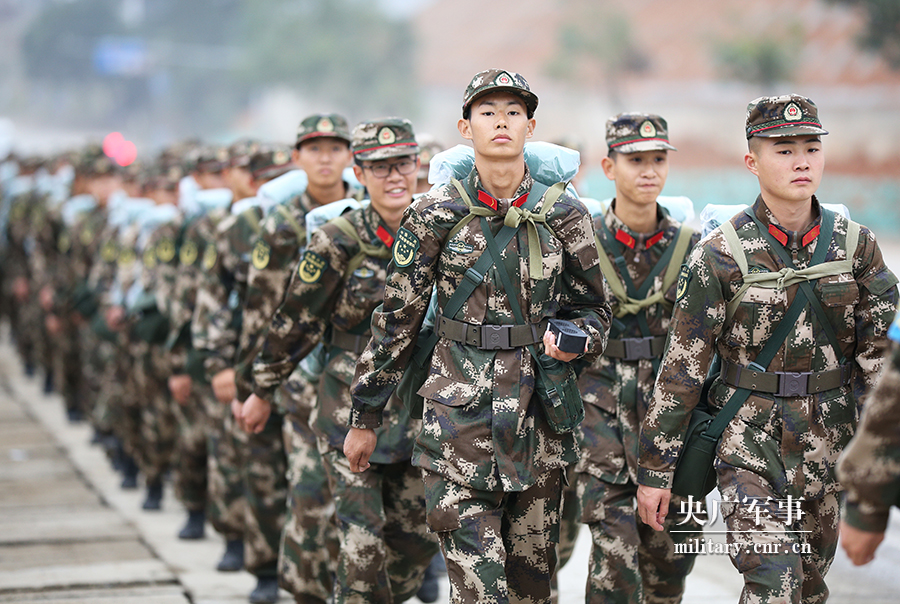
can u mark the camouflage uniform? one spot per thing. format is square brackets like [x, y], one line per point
[309, 545]
[492, 463]
[776, 446]
[630, 562]
[869, 468]
[385, 545]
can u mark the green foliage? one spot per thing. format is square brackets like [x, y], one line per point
[764, 60]
[882, 32]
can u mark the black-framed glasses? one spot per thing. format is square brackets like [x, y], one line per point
[383, 170]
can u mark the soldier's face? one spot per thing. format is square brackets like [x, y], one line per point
[210, 180]
[639, 177]
[323, 160]
[789, 168]
[394, 191]
[498, 125]
[240, 179]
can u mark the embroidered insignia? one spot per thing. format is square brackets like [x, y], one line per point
[280, 158]
[261, 254]
[64, 244]
[503, 80]
[386, 136]
[405, 247]
[458, 247]
[209, 257]
[175, 173]
[165, 251]
[792, 112]
[648, 130]
[87, 235]
[126, 258]
[149, 257]
[311, 267]
[684, 277]
[363, 272]
[188, 253]
[325, 125]
[757, 270]
[110, 251]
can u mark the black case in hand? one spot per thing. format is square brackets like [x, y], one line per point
[569, 338]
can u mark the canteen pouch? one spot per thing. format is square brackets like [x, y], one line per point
[556, 387]
[694, 472]
[416, 373]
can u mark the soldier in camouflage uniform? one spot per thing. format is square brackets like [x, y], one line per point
[775, 462]
[493, 466]
[219, 336]
[384, 543]
[869, 468]
[309, 545]
[629, 561]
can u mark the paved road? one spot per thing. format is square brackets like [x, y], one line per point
[69, 534]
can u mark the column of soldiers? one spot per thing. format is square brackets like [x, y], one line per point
[237, 320]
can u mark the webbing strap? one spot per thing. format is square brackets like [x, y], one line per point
[252, 218]
[292, 222]
[365, 249]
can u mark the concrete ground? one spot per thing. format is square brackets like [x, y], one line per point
[69, 533]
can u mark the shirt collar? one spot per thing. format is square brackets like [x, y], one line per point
[789, 239]
[502, 205]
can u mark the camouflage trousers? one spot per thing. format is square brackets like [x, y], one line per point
[385, 544]
[67, 364]
[786, 563]
[158, 428]
[499, 547]
[225, 446]
[265, 485]
[630, 562]
[309, 542]
[110, 395]
[190, 460]
[569, 520]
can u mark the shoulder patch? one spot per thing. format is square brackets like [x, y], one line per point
[209, 256]
[188, 253]
[459, 247]
[684, 277]
[165, 250]
[261, 255]
[311, 267]
[405, 247]
[149, 258]
[363, 272]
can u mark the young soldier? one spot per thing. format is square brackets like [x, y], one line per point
[795, 300]
[492, 464]
[630, 562]
[385, 546]
[869, 468]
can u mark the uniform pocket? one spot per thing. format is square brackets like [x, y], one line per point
[757, 316]
[447, 391]
[838, 293]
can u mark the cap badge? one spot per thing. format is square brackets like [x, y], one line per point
[386, 136]
[792, 112]
[279, 158]
[174, 173]
[648, 130]
[325, 125]
[503, 80]
[222, 155]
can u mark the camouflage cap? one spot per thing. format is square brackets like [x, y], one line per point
[239, 152]
[211, 159]
[166, 172]
[322, 125]
[428, 148]
[494, 80]
[384, 138]
[785, 115]
[635, 132]
[270, 161]
[92, 161]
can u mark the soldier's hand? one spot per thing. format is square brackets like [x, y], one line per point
[223, 386]
[255, 414]
[20, 288]
[53, 325]
[653, 505]
[46, 297]
[859, 545]
[114, 317]
[359, 444]
[551, 350]
[236, 412]
[180, 387]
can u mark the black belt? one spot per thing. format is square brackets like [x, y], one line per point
[633, 349]
[349, 342]
[782, 383]
[491, 337]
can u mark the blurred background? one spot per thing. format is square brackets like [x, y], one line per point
[159, 71]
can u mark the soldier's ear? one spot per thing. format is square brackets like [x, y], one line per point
[750, 160]
[360, 174]
[609, 167]
[531, 123]
[465, 128]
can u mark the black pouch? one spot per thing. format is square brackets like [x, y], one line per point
[152, 327]
[556, 387]
[694, 472]
[99, 327]
[416, 373]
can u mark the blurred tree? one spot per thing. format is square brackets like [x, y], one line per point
[882, 28]
[596, 47]
[760, 59]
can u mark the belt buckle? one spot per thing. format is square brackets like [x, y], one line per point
[494, 337]
[792, 384]
[637, 348]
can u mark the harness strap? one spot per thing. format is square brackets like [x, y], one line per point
[365, 249]
[292, 222]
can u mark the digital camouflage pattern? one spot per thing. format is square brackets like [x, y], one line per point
[383, 138]
[774, 446]
[499, 440]
[385, 543]
[629, 562]
[496, 80]
[785, 115]
[869, 469]
[635, 132]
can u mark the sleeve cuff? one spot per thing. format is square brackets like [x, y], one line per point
[365, 420]
[871, 522]
[214, 365]
[655, 478]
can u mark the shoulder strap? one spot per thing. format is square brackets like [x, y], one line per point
[365, 249]
[292, 222]
[679, 255]
[252, 218]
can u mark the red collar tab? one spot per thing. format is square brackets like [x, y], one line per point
[810, 236]
[385, 237]
[655, 239]
[625, 238]
[487, 200]
[521, 200]
[778, 234]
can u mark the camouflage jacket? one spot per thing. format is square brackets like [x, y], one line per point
[482, 426]
[275, 256]
[617, 392]
[216, 323]
[86, 241]
[869, 468]
[322, 300]
[793, 442]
